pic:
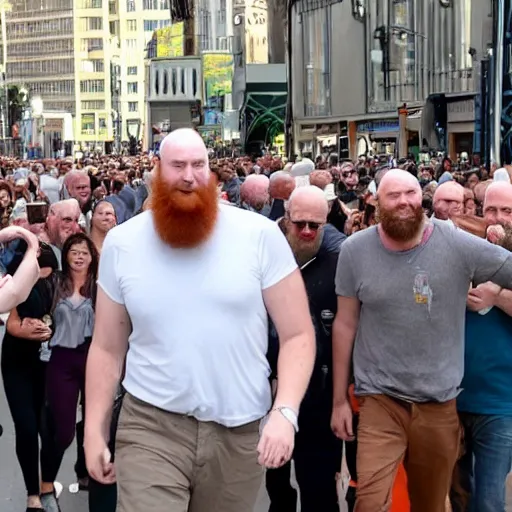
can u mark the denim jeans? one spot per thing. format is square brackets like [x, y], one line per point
[482, 472]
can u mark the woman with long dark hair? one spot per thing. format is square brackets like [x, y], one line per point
[73, 318]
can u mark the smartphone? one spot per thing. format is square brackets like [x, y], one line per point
[37, 212]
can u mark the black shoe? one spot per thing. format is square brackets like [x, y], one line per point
[34, 509]
[1, 430]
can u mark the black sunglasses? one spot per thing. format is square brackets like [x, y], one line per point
[347, 174]
[301, 224]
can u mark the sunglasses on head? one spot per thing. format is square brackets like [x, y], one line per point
[301, 224]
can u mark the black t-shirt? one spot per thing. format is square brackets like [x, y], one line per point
[38, 304]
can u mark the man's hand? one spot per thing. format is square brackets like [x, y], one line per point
[483, 296]
[341, 421]
[98, 460]
[495, 234]
[277, 441]
[34, 329]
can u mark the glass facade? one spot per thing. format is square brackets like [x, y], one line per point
[316, 44]
[417, 48]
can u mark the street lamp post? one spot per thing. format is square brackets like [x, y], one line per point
[36, 107]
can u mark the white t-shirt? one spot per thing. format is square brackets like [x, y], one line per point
[200, 327]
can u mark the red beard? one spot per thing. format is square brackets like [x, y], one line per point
[184, 220]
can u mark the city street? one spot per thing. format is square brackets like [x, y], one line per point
[12, 493]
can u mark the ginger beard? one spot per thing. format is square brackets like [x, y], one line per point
[184, 220]
[400, 228]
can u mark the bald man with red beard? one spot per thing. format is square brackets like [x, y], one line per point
[189, 284]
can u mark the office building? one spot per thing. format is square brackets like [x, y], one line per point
[354, 66]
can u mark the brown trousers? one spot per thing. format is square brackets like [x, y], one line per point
[166, 462]
[426, 437]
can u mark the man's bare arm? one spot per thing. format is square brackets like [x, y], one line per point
[504, 301]
[343, 336]
[287, 305]
[105, 363]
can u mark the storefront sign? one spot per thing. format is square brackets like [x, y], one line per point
[391, 125]
[53, 125]
[461, 111]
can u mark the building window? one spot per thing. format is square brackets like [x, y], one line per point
[88, 122]
[93, 105]
[164, 5]
[92, 86]
[92, 23]
[113, 28]
[131, 44]
[132, 87]
[93, 66]
[54, 88]
[151, 25]
[221, 14]
[150, 5]
[90, 4]
[205, 29]
[93, 44]
[223, 43]
[133, 106]
[130, 5]
[131, 25]
[132, 70]
[102, 125]
[112, 7]
[316, 41]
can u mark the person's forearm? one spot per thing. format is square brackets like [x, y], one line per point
[18, 288]
[294, 367]
[504, 301]
[104, 370]
[27, 275]
[342, 344]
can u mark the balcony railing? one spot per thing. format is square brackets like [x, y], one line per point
[175, 79]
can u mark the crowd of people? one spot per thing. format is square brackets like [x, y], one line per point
[246, 313]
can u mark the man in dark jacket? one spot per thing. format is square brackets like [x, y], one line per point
[318, 452]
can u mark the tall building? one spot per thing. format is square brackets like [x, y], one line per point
[84, 57]
[355, 64]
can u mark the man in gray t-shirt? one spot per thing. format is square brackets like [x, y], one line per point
[410, 338]
[402, 289]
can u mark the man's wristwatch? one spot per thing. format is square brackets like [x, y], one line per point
[289, 414]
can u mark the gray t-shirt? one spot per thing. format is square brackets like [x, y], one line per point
[410, 338]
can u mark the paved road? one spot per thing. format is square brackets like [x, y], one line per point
[12, 492]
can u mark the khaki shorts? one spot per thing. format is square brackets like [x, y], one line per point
[167, 462]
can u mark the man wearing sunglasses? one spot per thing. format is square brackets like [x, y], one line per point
[317, 455]
[349, 179]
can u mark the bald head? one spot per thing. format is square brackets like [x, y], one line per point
[254, 191]
[498, 203]
[65, 207]
[306, 214]
[78, 185]
[395, 179]
[308, 198]
[184, 160]
[448, 200]
[62, 221]
[180, 138]
[282, 185]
